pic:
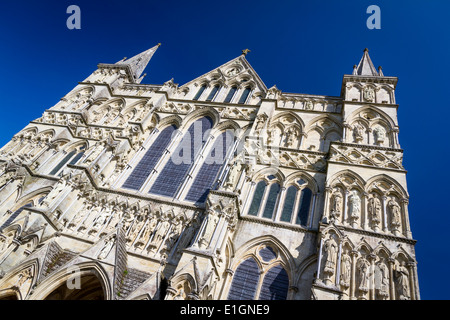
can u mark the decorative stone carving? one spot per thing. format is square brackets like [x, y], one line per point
[363, 277]
[330, 253]
[233, 176]
[211, 223]
[354, 207]
[396, 219]
[379, 135]
[358, 132]
[369, 94]
[336, 206]
[346, 271]
[375, 211]
[402, 282]
[109, 243]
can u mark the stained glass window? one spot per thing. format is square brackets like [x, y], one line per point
[76, 158]
[230, 94]
[14, 215]
[245, 281]
[289, 202]
[63, 162]
[213, 93]
[199, 93]
[305, 203]
[244, 95]
[275, 285]
[174, 173]
[143, 169]
[210, 168]
[271, 201]
[257, 197]
[267, 254]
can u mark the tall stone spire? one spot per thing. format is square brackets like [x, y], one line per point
[139, 62]
[365, 66]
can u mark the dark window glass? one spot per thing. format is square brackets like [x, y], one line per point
[174, 173]
[143, 169]
[267, 254]
[244, 95]
[14, 215]
[245, 281]
[257, 197]
[305, 203]
[230, 94]
[213, 93]
[271, 201]
[275, 285]
[289, 202]
[210, 168]
[199, 93]
[76, 158]
[63, 162]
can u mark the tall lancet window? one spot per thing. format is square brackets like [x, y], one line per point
[210, 168]
[289, 203]
[200, 92]
[245, 281]
[272, 199]
[304, 207]
[230, 94]
[245, 95]
[257, 198]
[174, 173]
[213, 93]
[71, 158]
[148, 162]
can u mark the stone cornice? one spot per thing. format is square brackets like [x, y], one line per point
[365, 146]
[280, 225]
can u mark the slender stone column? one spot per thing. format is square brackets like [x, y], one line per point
[391, 278]
[385, 229]
[407, 228]
[354, 255]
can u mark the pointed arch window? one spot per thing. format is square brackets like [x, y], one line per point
[230, 94]
[289, 203]
[200, 92]
[244, 95]
[304, 207]
[213, 93]
[13, 216]
[71, 158]
[271, 202]
[174, 172]
[148, 162]
[257, 198]
[207, 174]
[245, 281]
[275, 284]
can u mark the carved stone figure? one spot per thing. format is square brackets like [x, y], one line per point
[396, 218]
[382, 281]
[336, 206]
[354, 206]
[309, 105]
[160, 234]
[102, 218]
[402, 282]
[358, 132]
[369, 94]
[211, 223]
[346, 270]
[330, 253]
[107, 247]
[291, 137]
[380, 134]
[364, 274]
[374, 210]
[260, 123]
[233, 176]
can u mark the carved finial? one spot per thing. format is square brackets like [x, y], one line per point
[244, 52]
[366, 50]
[159, 44]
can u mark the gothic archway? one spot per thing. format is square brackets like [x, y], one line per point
[90, 288]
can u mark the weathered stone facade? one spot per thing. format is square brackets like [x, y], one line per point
[309, 201]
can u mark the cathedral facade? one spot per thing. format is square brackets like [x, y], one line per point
[219, 189]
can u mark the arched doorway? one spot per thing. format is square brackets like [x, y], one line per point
[90, 289]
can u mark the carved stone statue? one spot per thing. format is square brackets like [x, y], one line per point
[260, 123]
[160, 234]
[102, 219]
[330, 253]
[107, 247]
[336, 206]
[346, 270]
[374, 210]
[369, 94]
[396, 219]
[233, 176]
[364, 276]
[402, 282]
[211, 224]
[358, 132]
[354, 206]
[382, 281]
[380, 134]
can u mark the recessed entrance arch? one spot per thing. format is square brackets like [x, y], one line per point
[90, 289]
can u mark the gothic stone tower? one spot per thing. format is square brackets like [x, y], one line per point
[221, 188]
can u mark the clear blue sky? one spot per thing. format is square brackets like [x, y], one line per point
[301, 46]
